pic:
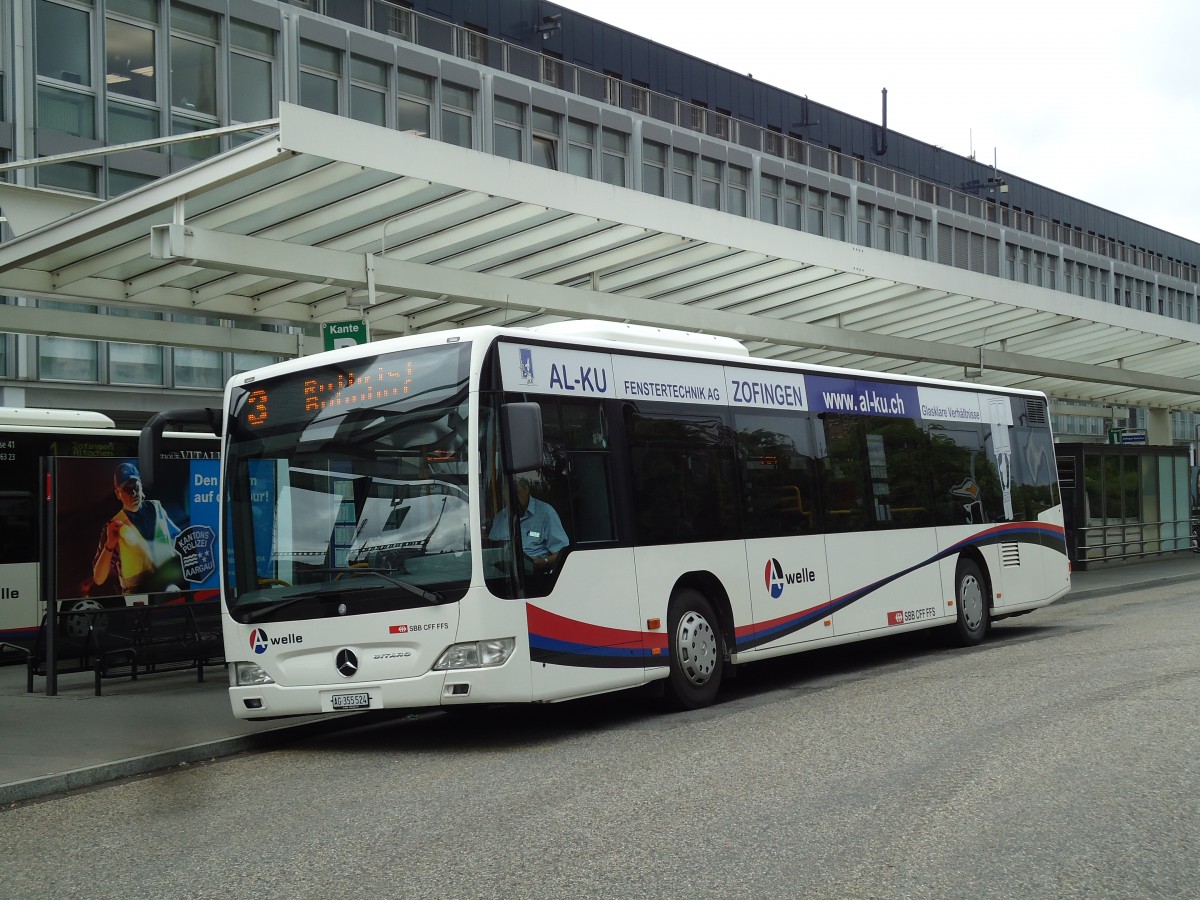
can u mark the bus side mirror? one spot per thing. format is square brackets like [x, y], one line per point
[521, 430]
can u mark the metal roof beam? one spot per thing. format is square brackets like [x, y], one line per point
[349, 270]
[91, 327]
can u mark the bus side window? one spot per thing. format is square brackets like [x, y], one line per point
[590, 495]
[18, 527]
[843, 474]
[585, 433]
[683, 470]
[775, 452]
[898, 454]
[966, 487]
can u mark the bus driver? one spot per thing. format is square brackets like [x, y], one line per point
[542, 533]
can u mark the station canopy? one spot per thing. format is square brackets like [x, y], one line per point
[326, 219]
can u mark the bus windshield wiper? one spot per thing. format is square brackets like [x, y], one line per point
[261, 612]
[431, 597]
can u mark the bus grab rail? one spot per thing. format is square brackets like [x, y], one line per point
[150, 438]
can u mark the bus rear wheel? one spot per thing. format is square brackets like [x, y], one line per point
[697, 650]
[971, 597]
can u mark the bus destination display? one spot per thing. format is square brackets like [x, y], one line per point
[371, 383]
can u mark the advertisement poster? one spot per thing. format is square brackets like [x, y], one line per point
[114, 540]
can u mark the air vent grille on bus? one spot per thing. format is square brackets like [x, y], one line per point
[1010, 555]
[1035, 412]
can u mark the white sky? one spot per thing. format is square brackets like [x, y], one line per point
[1098, 100]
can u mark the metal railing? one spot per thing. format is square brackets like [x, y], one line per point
[1134, 540]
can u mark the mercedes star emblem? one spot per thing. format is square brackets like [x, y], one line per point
[347, 662]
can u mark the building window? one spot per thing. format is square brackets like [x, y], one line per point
[612, 89]
[545, 138]
[197, 368]
[251, 80]
[654, 168]
[135, 364]
[63, 43]
[768, 199]
[129, 60]
[368, 90]
[458, 114]
[68, 359]
[710, 182]
[904, 234]
[614, 157]
[79, 177]
[581, 142]
[193, 61]
[793, 205]
[837, 216]
[683, 176]
[127, 123]
[739, 183]
[121, 182]
[131, 77]
[320, 76]
[883, 229]
[865, 213]
[509, 130]
[244, 362]
[921, 238]
[193, 82]
[471, 42]
[68, 111]
[413, 109]
[552, 71]
[818, 202]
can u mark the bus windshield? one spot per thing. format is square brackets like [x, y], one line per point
[346, 488]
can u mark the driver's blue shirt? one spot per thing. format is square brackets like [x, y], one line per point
[541, 529]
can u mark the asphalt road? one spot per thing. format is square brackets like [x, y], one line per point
[1059, 760]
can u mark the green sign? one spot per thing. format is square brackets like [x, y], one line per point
[344, 334]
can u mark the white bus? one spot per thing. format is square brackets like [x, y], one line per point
[27, 435]
[692, 509]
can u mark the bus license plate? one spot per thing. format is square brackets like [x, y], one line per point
[351, 701]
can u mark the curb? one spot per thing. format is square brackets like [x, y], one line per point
[1074, 595]
[90, 776]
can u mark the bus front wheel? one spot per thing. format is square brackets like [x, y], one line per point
[697, 650]
[971, 598]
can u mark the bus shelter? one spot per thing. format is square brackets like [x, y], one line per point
[1125, 503]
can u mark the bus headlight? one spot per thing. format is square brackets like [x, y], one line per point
[248, 673]
[476, 654]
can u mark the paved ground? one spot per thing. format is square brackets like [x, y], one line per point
[75, 739]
